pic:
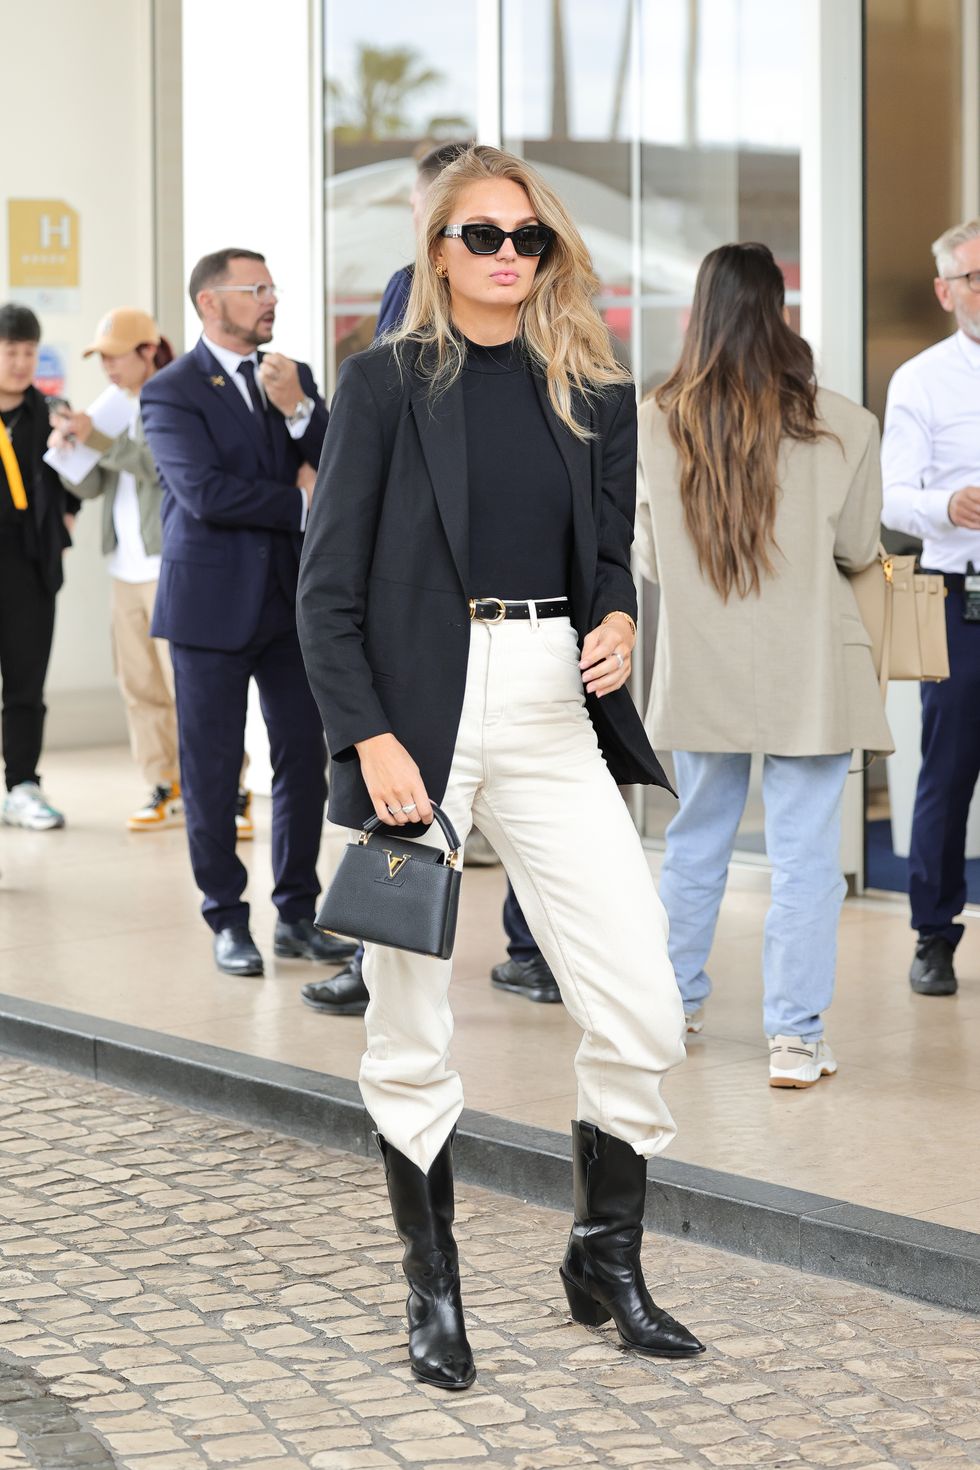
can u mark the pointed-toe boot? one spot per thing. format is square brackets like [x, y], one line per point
[423, 1208]
[601, 1271]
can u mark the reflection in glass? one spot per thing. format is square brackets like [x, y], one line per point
[720, 149]
[568, 109]
[385, 104]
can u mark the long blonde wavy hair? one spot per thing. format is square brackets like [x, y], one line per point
[559, 323]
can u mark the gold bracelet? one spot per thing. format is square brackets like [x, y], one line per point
[620, 615]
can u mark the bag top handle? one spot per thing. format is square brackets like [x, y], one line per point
[375, 824]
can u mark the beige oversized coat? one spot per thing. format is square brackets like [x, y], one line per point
[787, 672]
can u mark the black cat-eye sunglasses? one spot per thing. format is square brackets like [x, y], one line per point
[487, 239]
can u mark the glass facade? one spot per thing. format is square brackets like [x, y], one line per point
[913, 102]
[668, 127]
[384, 104]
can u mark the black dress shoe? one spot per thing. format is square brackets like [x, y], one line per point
[932, 969]
[531, 978]
[304, 941]
[342, 995]
[235, 952]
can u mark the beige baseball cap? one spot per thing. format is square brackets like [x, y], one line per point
[123, 329]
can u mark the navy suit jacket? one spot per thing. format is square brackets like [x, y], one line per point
[231, 509]
[394, 301]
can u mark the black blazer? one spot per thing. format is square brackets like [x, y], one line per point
[48, 500]
[383, 587]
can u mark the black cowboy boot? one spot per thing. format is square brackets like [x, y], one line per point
[601, 1271]
[423, 1209]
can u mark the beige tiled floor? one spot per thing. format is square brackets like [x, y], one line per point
[102, 921]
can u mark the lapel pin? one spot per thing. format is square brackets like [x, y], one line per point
[217, 381]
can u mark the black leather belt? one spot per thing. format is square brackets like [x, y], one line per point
[493, 610]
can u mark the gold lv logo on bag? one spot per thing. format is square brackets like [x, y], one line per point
[395, 862]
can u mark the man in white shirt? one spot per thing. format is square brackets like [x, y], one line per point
[236, 436]
[931, 467]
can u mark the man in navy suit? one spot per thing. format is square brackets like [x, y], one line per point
[236, 436]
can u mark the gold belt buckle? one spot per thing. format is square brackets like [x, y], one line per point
[500, 616]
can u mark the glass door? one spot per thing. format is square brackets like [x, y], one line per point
[719, 141]
[386, 102]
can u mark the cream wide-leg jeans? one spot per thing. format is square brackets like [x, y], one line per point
[528, 771]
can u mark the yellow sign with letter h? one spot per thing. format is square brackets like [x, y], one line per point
[44, 253]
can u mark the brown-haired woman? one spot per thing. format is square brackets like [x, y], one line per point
[132, 349]
[761, 494]
[466, 611]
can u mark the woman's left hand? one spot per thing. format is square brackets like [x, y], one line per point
[606, 659]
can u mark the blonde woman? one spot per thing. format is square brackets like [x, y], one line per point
[466, 611]
[762, 492]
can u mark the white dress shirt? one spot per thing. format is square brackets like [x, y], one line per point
[931, 448]
[231, 361]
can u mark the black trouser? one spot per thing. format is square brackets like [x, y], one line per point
[521, 945]
[212, 698]
[947, 779]
[26, 630]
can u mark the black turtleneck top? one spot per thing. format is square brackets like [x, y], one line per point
[520, 495]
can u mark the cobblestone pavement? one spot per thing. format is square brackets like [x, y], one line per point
[180, 1293]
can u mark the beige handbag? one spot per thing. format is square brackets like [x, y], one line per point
[904, 612]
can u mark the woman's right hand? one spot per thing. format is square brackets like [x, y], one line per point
[394, 781]
[69, 429]
[58, 438]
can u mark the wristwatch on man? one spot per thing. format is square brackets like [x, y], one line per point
[303, 410]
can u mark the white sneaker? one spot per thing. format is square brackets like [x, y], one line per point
[26, 807]
[794, 1062]
[694, 1021]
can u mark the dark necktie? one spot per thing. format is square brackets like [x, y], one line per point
[247, 370]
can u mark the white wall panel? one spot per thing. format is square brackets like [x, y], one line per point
[80, 102]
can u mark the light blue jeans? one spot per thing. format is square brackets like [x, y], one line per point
[803, 798]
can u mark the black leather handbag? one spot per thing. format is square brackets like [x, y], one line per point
[393, 891]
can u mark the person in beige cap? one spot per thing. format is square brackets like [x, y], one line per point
[132, 349]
